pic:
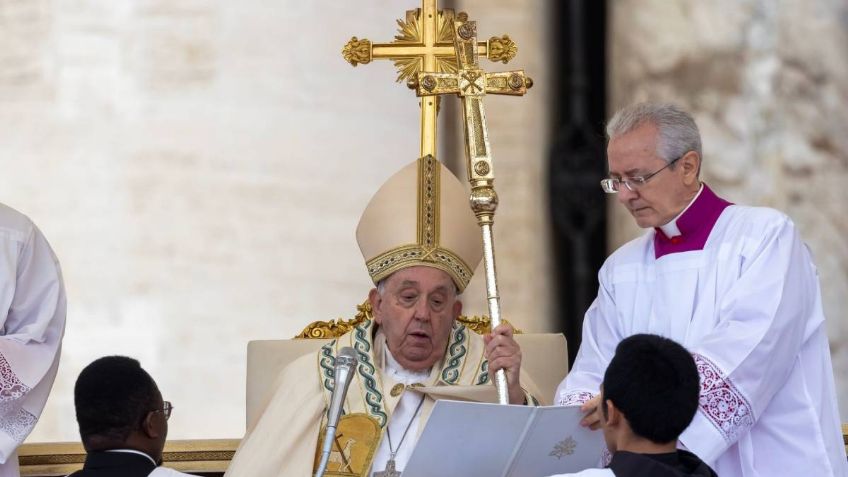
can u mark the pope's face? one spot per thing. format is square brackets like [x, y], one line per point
[667, 193]
[416, 312]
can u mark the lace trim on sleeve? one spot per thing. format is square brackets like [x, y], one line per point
[723, 405]
[18, 425]
[571, 398]
[14, 420]
[11, 388]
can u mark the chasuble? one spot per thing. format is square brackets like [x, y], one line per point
[287, 437]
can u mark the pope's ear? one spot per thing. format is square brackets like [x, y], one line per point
[374, 298]
[457, 309]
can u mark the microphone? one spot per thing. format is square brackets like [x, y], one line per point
[344, 369]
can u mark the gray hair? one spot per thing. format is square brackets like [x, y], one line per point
[678, 133]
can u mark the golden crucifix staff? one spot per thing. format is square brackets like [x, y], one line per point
[471, 84]
[425, 43]
[431, 40]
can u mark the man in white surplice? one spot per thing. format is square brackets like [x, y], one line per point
[736, 286]
[32, 320]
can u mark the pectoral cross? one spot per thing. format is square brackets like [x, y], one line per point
[425, 43]
[471, 84]
[389, 471]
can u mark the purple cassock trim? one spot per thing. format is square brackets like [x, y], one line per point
[695, 225]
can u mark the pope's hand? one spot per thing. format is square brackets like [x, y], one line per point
[503, 352]
[592, 408]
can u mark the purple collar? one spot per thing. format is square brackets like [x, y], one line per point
[695, 225]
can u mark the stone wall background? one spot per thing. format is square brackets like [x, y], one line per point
[768, 84]
[199, 166]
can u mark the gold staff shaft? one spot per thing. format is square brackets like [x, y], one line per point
[492, 297]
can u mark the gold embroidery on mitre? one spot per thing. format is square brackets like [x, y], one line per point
[405, 256]
[357, 438]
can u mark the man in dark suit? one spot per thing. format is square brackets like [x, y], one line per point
[122, 419]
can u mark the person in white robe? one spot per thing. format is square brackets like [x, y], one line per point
[421, 244]
[32, 313]
[736, 286]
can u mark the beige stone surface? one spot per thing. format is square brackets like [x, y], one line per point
[200, 166]
[768, 84]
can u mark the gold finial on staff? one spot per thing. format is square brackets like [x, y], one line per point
[425, 43]
[471, 84]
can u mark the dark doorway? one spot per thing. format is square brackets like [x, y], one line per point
[577, 160]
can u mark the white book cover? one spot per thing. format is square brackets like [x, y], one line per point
[468, 439]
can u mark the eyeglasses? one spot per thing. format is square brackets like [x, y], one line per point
[166, 409]
[612, 186]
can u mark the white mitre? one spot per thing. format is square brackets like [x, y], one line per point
[420, 216]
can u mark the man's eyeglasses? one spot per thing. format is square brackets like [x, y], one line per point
[612, 186]
[166, 409]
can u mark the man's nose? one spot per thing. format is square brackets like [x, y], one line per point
[625, 195]
[422, 310]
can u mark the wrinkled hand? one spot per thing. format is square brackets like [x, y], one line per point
[503, 352]
[592, 408]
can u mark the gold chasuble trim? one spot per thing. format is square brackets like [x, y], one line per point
[357, 438]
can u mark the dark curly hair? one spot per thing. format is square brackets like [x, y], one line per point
[112, 396]
[654, 382]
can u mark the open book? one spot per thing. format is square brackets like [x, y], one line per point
[468, 439]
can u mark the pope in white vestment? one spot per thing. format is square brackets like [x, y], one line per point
[32, 314]
[421, 244]
[737, 287]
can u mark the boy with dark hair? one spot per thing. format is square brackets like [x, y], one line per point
[122, 419]
[649, 397]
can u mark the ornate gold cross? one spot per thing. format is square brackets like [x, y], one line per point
[425, 43]
[471, 84]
